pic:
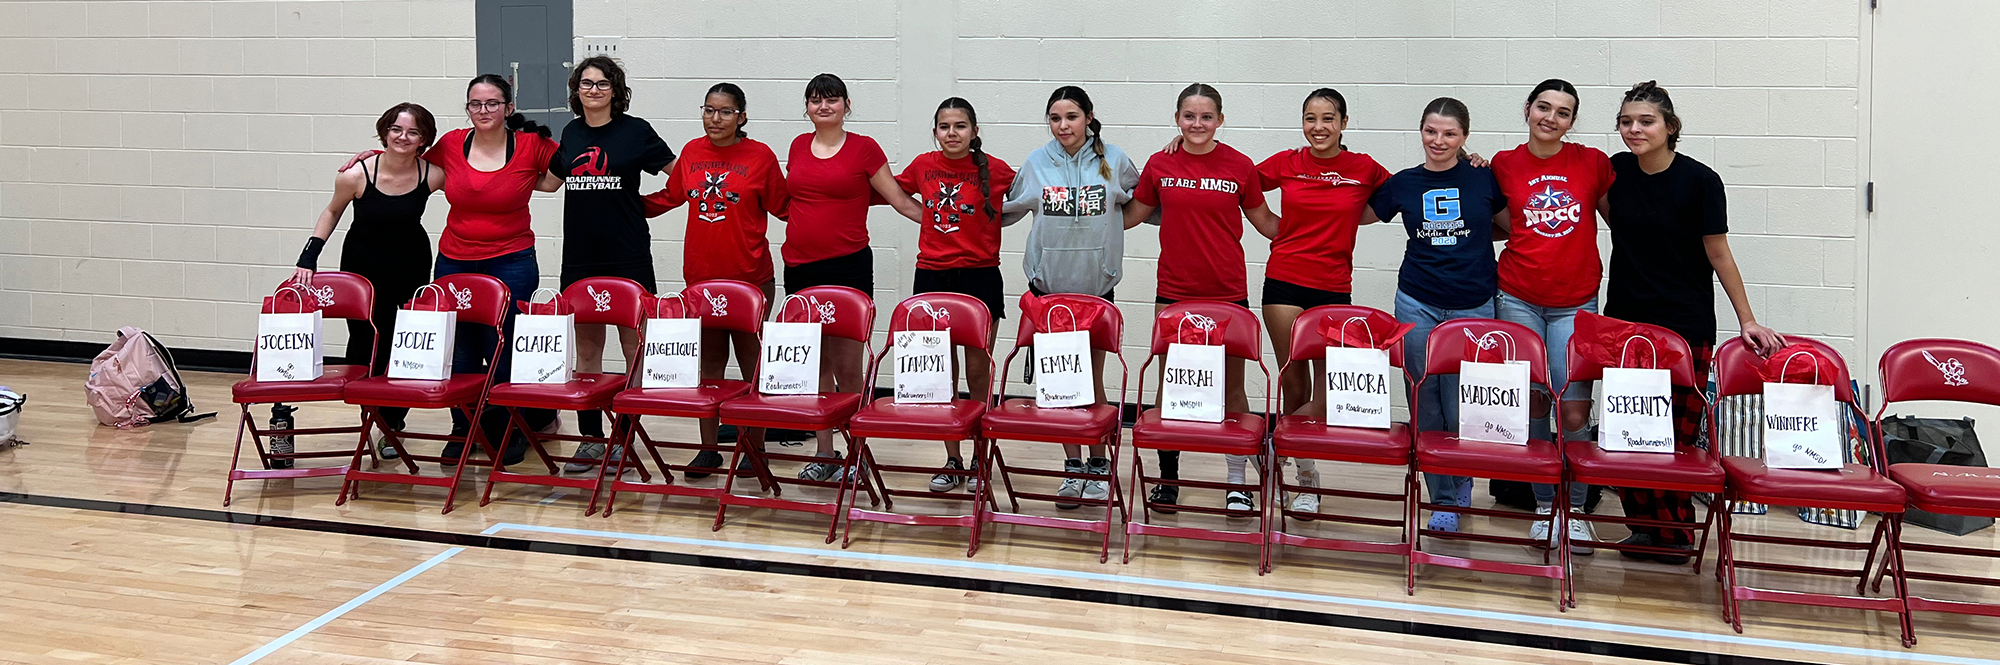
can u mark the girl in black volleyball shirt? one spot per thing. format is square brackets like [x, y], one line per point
[604, 219]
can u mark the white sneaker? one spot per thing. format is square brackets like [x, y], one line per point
[1071, 487]
[1097, 490]
[1580, 531]
[826, 472]
[1239, 500]
[1305, 503]
[1541, 530]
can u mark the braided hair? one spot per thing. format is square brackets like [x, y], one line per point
[1650, 92]
[1077, 96]
[978, 155]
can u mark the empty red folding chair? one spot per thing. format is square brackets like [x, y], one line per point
[610, 301]
[1854, 486]
[841, 312]
[1091, 425]
[1540, 461]
[1306, 437]
[722, 305]
[968, 324]
[1237, 434]
[1687, 469]
[480, 300]
[339, 295]
[1945, 370]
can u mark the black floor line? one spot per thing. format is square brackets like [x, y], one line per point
[1103, 597]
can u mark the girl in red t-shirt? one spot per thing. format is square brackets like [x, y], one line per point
[958, 242]
[833, 176]
[1202, 191]
[731, 185]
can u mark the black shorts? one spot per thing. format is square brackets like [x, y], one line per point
[1109, 296]
[981, 283]
[855, 271]
[637, 272]
[1281, 292]
[1163, 300]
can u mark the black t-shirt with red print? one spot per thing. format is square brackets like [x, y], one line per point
[604, 221]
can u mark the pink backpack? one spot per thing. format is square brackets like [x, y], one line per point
[134, 383]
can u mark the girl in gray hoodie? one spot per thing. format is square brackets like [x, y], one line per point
[1077, 186]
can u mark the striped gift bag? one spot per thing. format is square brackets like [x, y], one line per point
[1738, 419]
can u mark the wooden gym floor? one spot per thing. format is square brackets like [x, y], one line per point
[115, 548]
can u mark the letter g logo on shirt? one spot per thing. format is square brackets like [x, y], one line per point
[1441, 205]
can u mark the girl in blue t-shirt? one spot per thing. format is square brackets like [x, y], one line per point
[1449, 208]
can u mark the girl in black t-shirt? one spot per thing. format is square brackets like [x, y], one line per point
[1669, 240]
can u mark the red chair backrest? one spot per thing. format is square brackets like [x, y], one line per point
[1309, 344]
[613, 301]
[480, 299]
[1107, 331]
[340, 295]
[1736, 368]
[1242, 333]
[1446, 347]
[1952, 370]
[727, 304]
[1682, 370]
[967, 319]
[840, 311]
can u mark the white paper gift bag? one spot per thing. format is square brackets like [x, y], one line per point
[1064, 373]
[1637, 414]
[424, 338]
[790, 365]
[1357, 383]
[1191, 379]
[288, 344]
[1493, 397]
[544, 343]
[670, 354]
[923, 367]
[1802, 428]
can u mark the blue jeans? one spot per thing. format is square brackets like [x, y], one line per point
[1434, 412]
[473, 349]
[1554, 325]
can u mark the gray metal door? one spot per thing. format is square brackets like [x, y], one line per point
[529, 42]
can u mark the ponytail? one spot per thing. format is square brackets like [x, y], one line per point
[1097, 143]
[985, 180]
[521, 123]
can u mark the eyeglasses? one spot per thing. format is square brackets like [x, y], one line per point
[722, 113]
[587, 84]
[488, 105]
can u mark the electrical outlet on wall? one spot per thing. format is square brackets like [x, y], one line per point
[588, 46]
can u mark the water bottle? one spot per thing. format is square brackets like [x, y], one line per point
[281, 419]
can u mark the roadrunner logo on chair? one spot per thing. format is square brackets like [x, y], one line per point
[1952, 369]
[463, 296]
[602, 298]
[717, 305]
[323, 294]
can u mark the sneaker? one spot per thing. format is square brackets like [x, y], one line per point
[1098, 490]
[517, 446]
[1071, 487]
[1675, 559]
[1164, 494]
[1239, 500]
[452, 449]
[1580, 531]
[945, 482]
[825, 472]
[590, 450]
[1540, 531]
[1305, 503]
[384, 451]
[705, 459]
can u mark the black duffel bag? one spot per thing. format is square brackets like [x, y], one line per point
[1913, 440]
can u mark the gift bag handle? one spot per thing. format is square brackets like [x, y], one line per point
[1365, 327]
[936, 313]
[677, 295]
[1628, 347]
[782, 309]
[1049, 317]
[554, 296]
[1479, 343]
[298, 296]
[437, 303]
[1787, 367]
[1202, 323]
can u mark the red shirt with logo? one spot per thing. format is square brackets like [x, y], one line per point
[730, 193]
[957, 232]
[1324, 199]
[1201, 200]
[489, 209]
[1551, 256]
[830, 198]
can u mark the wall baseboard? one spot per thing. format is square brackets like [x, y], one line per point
[196, 360]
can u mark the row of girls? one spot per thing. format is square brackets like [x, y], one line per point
[1666, 213]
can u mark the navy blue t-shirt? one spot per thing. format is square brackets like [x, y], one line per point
[1449, 214]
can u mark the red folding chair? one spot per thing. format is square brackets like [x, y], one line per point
[969, 324]
[1945, 370]
[1237, 434]
[1304, 437]
[610, 301]
[1540, 461]
[338, 295]
[722, 304]
[480, 300]
[841, 312]
[1852, 487]
[1094, 425]
[1687, 469]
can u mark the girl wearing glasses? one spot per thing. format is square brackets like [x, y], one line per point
[604, 219]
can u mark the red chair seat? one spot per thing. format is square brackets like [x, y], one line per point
[1020, 417]
[1854, 486]
[587, 392]
[698, 402]
[1444, 452]
[1237, 434]
[885, 418]
[1952, 490]
[415, 393]
[1311, 438]
[327, 388]
[1687, 466]
[814, 412]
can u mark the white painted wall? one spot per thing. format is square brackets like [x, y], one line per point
[161, 161]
